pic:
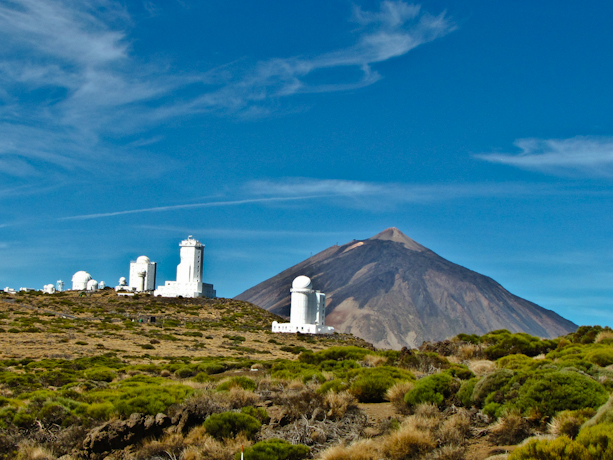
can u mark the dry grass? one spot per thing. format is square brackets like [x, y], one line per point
[481, 367]
[468, 351]
[510, 429]
[408, 441]
[454, 429]
[427, 410]
[31, 451]
[395, 394]
[366, 449]
[603, 335]
[337, 404]
[451, 452]
[239, 397]
[374, 360]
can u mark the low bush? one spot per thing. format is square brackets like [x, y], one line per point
[243, 382]
[602, 357]
[275, 449]
[256, 412]
[554, 391]
[598, 440]
[230, 424]
[101, 374]
[560, 448]
[371, 384]
[334, 353]
[592, 443]
[434, 389]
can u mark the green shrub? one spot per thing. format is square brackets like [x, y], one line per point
[433, 389]
[465, 392]
[336, 386]
[256, 412]
[202, 377]
[490, 384]
[334, 353]
[230, 424]
[275, 449]
[293, 349]
[211, 368]
[560, 448]
[602, 357]
[184, 372]
[371, 384]
[517, 361]
[100, 374]
[598, 440]
[551, 392]
[504, 343]
[242, 382]
[100, 411]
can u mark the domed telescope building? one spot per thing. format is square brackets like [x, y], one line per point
[80, 280]
[142, 274]
[307, 310]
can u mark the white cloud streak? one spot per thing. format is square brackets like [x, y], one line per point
[581, 155]
[69, 79]
[370, 196]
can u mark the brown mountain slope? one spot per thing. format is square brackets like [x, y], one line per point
[393, 292]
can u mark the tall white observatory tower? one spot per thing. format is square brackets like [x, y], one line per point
[190, 268]
[189, 274]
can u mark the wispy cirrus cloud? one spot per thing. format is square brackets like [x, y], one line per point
[371, 196]
[69, 78]
[581, 155]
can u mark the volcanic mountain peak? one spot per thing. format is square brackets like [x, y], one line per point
[394, 292]
[395, 235]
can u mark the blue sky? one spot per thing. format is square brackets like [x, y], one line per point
[271, 130]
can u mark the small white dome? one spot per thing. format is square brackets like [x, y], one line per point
[122, 281]
[143, 260]
[302, 282]
[81, 277]
[92, 285]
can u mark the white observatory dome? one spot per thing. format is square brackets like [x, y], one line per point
[92, 285]
[302, 282]
[81, 277]
[143, 260]
[122, 281]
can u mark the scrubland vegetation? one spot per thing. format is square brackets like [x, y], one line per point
[499, 396]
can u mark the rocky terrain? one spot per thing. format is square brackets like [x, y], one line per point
[394, 292]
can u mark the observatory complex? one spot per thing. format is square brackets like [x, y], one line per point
[307, 311]
[189, 274]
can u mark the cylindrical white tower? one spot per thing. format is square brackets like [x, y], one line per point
[141, 281]
[190, 268]
[301, 290]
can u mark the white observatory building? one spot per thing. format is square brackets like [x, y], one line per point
[142, 274]
[189, 274]
[307, 311]
[80, 280]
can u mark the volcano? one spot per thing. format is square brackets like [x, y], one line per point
[394, 292]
